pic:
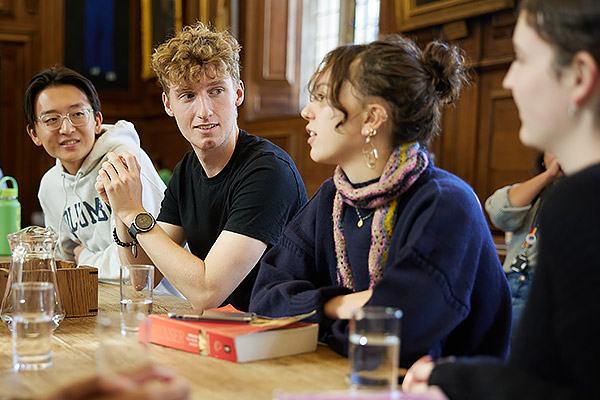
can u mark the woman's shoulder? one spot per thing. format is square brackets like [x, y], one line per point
[445, 186]
[323, 197]
[580, 190]
[320, 203]
[585, 182]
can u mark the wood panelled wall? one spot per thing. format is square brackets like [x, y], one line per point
[479, 138]
[30, 36]
[270, 32]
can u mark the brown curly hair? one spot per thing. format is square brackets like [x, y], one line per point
[197, 51]
[415, 84]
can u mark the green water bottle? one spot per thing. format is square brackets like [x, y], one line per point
[10, 213]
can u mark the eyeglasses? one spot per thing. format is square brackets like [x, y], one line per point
[76, 118]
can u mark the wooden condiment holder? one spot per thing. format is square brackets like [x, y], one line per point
[78, 287]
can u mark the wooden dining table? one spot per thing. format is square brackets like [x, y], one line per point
[76, 340]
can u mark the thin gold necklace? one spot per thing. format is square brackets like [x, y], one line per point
[362, 219]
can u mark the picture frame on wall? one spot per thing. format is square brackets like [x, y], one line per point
[415, 14]
[223, 14]
[97, 41]
[160, 20]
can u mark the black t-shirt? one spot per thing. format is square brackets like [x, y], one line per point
[255, 195]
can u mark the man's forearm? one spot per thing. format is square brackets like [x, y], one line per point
[128, 255]
[183, 270]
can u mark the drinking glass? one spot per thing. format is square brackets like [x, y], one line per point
[33, 309]
[375, 348]
[137, 283]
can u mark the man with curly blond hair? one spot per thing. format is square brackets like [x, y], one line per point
[229, 198]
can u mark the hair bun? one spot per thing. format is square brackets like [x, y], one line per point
[445, 65]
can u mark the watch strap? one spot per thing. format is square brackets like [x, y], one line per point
[133, 231]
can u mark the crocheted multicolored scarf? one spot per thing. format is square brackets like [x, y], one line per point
[404, 166]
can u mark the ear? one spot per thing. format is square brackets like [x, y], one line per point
[98, 122]
[167, 104]
[239, 94]
[33, 135]
[375, 116]
[585, 84]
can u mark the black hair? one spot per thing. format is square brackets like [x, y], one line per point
[57, 76]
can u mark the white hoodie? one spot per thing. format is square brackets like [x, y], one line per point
[76, 211]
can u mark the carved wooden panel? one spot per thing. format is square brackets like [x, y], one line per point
[413, 14]
[30, 39]
[456, 146]
[502, 159]
[290, 134]
[7, 7]
[19, 157]
[479, 140]
[271, 57]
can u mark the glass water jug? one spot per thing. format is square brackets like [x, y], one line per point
[32, 260]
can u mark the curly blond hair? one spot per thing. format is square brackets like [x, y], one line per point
[196, 52]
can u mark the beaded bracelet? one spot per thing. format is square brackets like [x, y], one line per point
[132, 244]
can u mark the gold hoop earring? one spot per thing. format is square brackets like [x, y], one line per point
[369, 151]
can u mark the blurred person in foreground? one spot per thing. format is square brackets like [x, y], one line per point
[555, 81]
[147, 383]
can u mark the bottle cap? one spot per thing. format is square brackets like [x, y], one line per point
[9, 192]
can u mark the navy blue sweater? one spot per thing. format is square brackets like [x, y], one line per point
[442, 271]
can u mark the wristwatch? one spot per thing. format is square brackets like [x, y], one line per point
[142, 222]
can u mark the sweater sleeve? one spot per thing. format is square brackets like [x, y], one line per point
[485, 379]
[503, 214]
[426, 298]
[290, 281]
[107, 259]
[52, 203]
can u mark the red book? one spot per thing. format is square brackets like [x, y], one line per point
[239, 342]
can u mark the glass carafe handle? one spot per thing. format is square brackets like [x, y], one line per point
[15, 274]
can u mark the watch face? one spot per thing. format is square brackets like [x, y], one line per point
[144, 221]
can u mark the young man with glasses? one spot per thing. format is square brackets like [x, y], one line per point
[63, 115]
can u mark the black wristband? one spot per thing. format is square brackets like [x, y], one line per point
[131, 244]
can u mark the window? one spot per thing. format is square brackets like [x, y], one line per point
[366, 25]
[327, 24]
